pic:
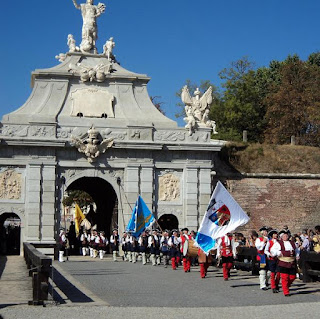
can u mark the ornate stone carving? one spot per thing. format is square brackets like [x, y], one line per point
[13, 209]
[61, 57]
[169, 187]
[42, 131]
[15, 130]
[97, 73]
[91, 145]
[167, 210]
[135, 134]
[170, 136]
[89, 12]
[92, 103]
[115, 135]
[197, 109]
[64, 132]
[10, 185]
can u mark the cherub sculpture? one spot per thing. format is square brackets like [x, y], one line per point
[91, 145]
[108, 48]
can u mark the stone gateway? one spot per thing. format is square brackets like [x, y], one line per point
[89, 124]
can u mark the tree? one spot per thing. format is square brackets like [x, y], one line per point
[80, 197]
[157, 104]
[293, 108]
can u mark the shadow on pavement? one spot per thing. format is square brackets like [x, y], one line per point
[71, 291]
[3, 261]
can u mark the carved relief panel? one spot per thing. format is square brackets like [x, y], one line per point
[10, 184]
[169, 187]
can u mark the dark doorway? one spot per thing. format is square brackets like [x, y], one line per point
[168, 222]
[105, 199]
[10, 232]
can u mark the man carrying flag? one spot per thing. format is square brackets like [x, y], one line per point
[78, 218]
[223, 216]
[141, 218]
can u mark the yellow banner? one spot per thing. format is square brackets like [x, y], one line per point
[78, 218]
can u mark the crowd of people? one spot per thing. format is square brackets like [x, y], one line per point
[278, 253]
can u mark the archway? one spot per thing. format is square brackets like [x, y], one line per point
[105, 198]
[10, 234]
[168, 221]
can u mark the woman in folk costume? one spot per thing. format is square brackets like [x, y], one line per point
[204, 262]
[227, 251]
[124, 245]
[154, 245]
[260, 244]
[174, 244]
[114, 241]
[287, 254]
[273, 261]
[186, 261]
[103, 242]
[62, 245]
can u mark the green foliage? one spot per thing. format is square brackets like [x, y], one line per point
[77, 196]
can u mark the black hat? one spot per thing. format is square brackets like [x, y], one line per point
[283, 231]
[114, 229]
[263, 228]
[185, 229]
[271, 232]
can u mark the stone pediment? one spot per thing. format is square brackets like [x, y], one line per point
[92, 102]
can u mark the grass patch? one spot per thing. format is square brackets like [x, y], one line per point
[265, 158]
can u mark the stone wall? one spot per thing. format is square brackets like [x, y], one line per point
[275, 201]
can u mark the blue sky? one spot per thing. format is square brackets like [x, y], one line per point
[169, 40]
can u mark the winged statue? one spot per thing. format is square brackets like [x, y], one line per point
[91, 145]
[196, 107]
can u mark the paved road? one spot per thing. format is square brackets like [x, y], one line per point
[105, 289]
[123, 284]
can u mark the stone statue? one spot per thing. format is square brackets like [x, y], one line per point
[72, 44]
[208, 122]
[108, 48]
[89, 12]
[197, 108]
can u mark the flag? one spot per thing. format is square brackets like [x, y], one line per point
[223, 216]
[141, 218]
[78, 218]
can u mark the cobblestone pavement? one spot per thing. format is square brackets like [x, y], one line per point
[86, 288]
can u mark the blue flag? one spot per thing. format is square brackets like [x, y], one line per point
[141, 218]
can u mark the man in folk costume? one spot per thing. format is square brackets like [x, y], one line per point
[227, 251]
[91, 241]
[154, 245]
[114, 241]
[273, 261]
[95, 243]
[174, 244]
[133, 248]
[62, 245]
[287, 253]
[204, 262]
[164, 247]
[183, 238]
[143, 246]
[124, 245]
[260, 244]
[103, 242]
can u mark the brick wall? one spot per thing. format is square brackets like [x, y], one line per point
[275, 202]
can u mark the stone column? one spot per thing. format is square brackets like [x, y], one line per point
[205, 191]
[131, 187]
[33, 196]
[48, 202]
[191, 198]
[146, 185]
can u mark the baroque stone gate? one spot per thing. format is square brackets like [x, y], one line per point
[90, 117]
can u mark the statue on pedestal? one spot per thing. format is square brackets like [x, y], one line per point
[89, 12]
[108, 48]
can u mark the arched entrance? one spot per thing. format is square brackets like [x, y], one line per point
[10, 234]
[168, 221]
[105, 198]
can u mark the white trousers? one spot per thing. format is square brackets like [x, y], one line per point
[264, 278]
[61, 259]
